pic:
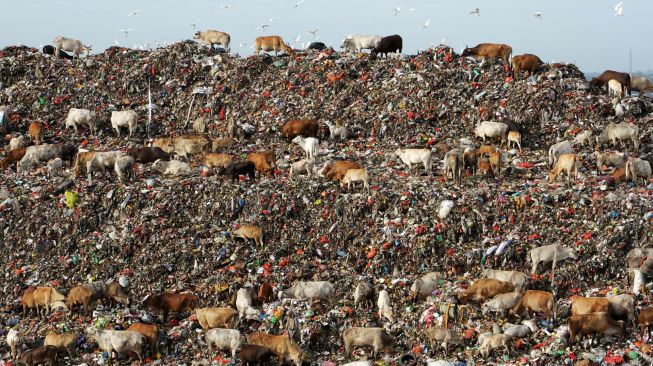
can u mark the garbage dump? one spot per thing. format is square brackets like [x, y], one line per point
[157, 248]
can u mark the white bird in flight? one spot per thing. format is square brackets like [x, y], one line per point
[126, 31]
[619, 8]
[426, 25]
[227, 6]
[538, 15]
[262, 26]
[298, 3]
[476, 12]
[273, 19]
[133, 13]
[242, 44]
[412, 9]
[194, 24]
[116, 42]
[397, 10]
[298, 38]
[314, 32]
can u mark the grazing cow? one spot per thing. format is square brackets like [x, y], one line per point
[27, 300]
[42, 355]
[627, 302]
[124, 167]
[609, 159]
[517, 278]
[415, 156]
[120, 341]
[336, 170]
[249, 232]
[533, 301]
[184, 145]
[285, 349]
[453, 163]
[485, 150]
[102, 161]
[550, 253]
[638, 168]
[13, 157]
[583, 137]
[81, 161]
[40, 154]
[241, 167]
[54, 166]
[385, 308]
[127, 119]
[600, 323]
[502, 302]
[484, 167]
[210, 318]
[641, 84]
[358, 42]
[493, 342]
[302, 166]
[215, 160]
[388, 44]
[170, 302]
[567, 163]
[49, 50]
[44, 296]
[424, 286]
[589, 305]
[173, 167]
[622, 77]
[355, 175]
[272, 43]
[619, 131]
[645, 320]
[619, 175]
[116, 294]
[18, 142]
[489, 50]
[526, 62]
[495, 161]
[77, 116]
[251, 354]
[336, 131]
[377, 338]
[150, 332]
[263, 161]
[244, 305]
[13, 341]
[64, 342]
[35, 132]
[446, 336]
[223, 143]
[224, 339]
[309, 290]
[470, 160]
[614, 88]
[520, 330]
[364, 294]
[80, 295]
[562, 147]
[514, 138]
[214, 37]
[311, 145]
[70, 45]
[484, 289]
[490, 129]
[300, 127]
[265, 293]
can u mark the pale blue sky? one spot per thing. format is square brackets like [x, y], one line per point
[581, 31]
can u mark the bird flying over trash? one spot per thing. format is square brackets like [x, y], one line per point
[313, 32]
[476, 12]
[397, 10]
[227, 6]
[619, 9]
[194, 24]
[126, 31]
[273, 19]
[262, 26]
[133, 13]
[426, 25]
[538, 15]
[298, 3]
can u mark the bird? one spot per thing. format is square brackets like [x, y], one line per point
[227, 6]
[262, 26]
[426, 25]
[314, 32]
[476, 12]
[242, 44]
[538, 15]
[397, 10]
[194, 24]
[298, 38]
[133, 13]
[273, 19]
[116, 42]
[412, 9]
[298, 3]
[126, 31]
[619, 9]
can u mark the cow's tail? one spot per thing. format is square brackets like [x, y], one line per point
[554, 307]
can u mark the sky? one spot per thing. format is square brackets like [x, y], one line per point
[584, 32]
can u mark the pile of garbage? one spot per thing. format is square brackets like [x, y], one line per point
[174, 234]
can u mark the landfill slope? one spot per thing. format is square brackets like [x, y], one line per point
[173, 234]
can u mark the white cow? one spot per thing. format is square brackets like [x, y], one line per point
[520, 330]
[214, 37]
[355, 175]
[583, 137]
[70, 45]
[38, 154]
[103, 160]
[619, 131]
[309, 290]
[244, 305]
[416, 156]
[638, 168]
[495, 341]
[302, 166]
[224, 339]
[121, 341]
[490, 129]
[627, 302]
[614, 88]
[550, 253]
[358, 42]
[14, 340]
[311, 145]
[562, 147]
[385, 308]
[517, 278]
[127, 119]
[609, 159]
[336, 131]
[172, 167]
[124, 167]
[501, 303]
[77, 116]
[424, 286]
[18, 142]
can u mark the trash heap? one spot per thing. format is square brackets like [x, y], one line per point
[173, 234]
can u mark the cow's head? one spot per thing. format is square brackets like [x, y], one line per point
[466, 52]
[347, 42]
[197, 35]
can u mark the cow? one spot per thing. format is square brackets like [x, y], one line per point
[14, 341]
[215, 160]
[309, 290]
[173, 167]
[251, 354]
[615, 88]
[518, 279]
[336, 170]
[359, 42]
[641, 84]
[311, 145]
[120, 341]
[150, 332]
[224, 339]
[638, 168]
[302, 166]
[377, 338]
[272, 43]
[645, 320]
[489, 50]
[446, 336]
[222, 143]
[484, 167]
[49, 50]
[214, 37]
[70, 45]
[533, 301]
[355, 175]
[210, 318]
[102, 161]
[265, 293]
[285, 349]
[77, 116]
[514, 138]
[387, 45]
[562, 147]
[13, 157]
[484, 289]
[470, 160]
[127, 119]
[493, 342]
[317, 46]
[63, 341]
[424, 286]
[550, 253]
[495, 161]
[35, 132]
[263, 161]
[42, 355]
[80, 295]
[184, 145]
[364, 294]
[234, 170]
[124, 167]
[244, 305]
[526, 62]
[170, 302]
[622, 77]
[116, 294]
[609, 159]
[583, 137]
[44, 296]
[415, 156]
[246, 232]
[567, 163]
[336, 131]
[490, 129]
[385, 307]
[501, 302]
[300, 127]
[520, 330]
[42, 154]
[18, 142]
[453, 163]
[589, 305]
[600, 323]
[627, 302]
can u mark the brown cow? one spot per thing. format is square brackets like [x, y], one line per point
[150, 332]
[116, 294]
[534, 301]
[526, 62]
[645, 320]
[27, 300]
[64, 342]
[215, 160]
[44, 296]
[619, 175]
[622, 77]
[81, 161]
[589, 305]
[42, 355]
[567, 163]
[223, 143]
[272, 43]
[80, 295]
[489, 50]
[254, 354]
[285, 349]
[265, 293]
[35, 132]
[600, 323]
[249, 232]
[170, 302]
[148, 154]
[470, 160]
[495, 161]
[484, 167]
[300, 127]
[263, 161]
[484, 289]
[13, 157]
[485, 150]
[210, 318]
[336, 170]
